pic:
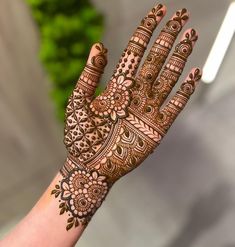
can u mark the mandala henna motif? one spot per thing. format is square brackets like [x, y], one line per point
[110, 135]
[82, 193]
[115, 100]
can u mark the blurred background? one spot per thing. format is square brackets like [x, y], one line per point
[184, 194]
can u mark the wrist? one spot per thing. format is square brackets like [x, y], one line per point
[80, 193]
[43, 226]
[60, 221]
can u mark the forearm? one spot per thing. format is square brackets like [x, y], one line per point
[44, 226]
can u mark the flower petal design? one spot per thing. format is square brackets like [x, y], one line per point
[113, 102]
[66, 194]
[121, 113]
[101, 178]
[113, 115]
[85, 200]
[102, 162]
[120, 79]
[128, 82]
[65, 186]
[95, 175]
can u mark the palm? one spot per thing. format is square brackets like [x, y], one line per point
[116, 131]
[84, 133]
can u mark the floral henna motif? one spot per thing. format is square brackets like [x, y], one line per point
[188, 87]
[115, 100]
[110, 135]
[82, 193]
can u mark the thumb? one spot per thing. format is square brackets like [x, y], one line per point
[94, 69]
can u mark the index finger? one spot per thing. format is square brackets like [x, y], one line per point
[132, 55]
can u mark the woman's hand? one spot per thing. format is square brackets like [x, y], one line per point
[110, 135]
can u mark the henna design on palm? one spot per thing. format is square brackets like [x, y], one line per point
[110, 135]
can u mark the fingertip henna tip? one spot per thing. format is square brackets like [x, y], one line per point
[195, 74]
[160, 10]
[185, 11]
[162, 7]
[98, 57]
[100, 47]
[181, 16]
[198, 72]
[190, 35]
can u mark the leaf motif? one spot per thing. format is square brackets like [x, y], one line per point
[95, 175]
[113, 115]
[70, 219]
[120, 79]
[66, 194]
[57, 194]
[121, 113]
[119, 150]
[183, 11]
[62, 211]
[128, 82]
[98, 47]
[76, 223]
[185, 17]
[69, 226]
[99, 134]
[160, 13]
[53, 192]
[103, 122]
[101, 178]
[62, 205]
[65, 186]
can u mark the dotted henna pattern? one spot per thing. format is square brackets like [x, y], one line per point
[110, 135]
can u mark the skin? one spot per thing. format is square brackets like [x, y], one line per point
[43, 226]
[110, 135]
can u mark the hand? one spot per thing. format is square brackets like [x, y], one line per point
[110, 135]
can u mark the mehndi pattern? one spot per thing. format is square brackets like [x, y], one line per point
[110, 135]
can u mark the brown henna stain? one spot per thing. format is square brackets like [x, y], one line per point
[110, 135]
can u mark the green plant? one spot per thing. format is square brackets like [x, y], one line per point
[67, 29]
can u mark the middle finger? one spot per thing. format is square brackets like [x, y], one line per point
[161, 48]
